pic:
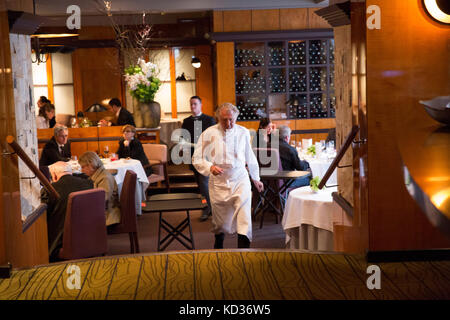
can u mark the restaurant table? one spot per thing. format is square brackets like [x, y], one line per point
[309, 218]
[319, 166]
[122, 165]
[271, 195]
[175, 202]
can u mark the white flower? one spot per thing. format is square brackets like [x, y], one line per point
[148, 68]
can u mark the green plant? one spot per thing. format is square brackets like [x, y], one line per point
[311, 150]
[141, 81]
[314, 184]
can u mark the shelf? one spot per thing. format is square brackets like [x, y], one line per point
[302, 77]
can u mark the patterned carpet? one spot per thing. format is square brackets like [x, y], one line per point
[228, 275]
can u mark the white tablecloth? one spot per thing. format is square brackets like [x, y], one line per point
[122, 166]
[309, 218]
[319, 167]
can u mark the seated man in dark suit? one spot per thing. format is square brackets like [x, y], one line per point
[64, 183]
[123, 115]
[58, 148]
[290, 160]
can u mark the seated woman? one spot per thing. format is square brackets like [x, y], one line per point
[46, 114]
[93, 167]
[267, 127]
[129, 147]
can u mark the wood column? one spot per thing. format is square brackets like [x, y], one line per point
[173, 83]
[225, 82]
[18, 248]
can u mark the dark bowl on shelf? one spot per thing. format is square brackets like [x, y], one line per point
[439, 109]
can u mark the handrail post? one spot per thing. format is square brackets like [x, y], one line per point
[339, 156]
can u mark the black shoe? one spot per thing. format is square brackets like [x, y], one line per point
[218, 243]
[205, 215]
[243, 241]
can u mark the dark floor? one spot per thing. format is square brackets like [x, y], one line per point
[182, 180]
[270, 236]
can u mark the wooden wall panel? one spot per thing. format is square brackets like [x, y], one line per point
[204, 77]
[20, 5]
[344, 119]
[99, 75]
[225, 72]
[240, 20]
[218, 21]
[417, 49]
[265, 20]
[294, 19]
[49, 69]
[96, 33]
[21, 249]
[315, 21]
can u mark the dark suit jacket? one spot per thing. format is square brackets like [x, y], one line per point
[56, 211]
[52, 122]
[134, 151]
[125, 117]
[51, 154]
[290, 160]
[189, 124]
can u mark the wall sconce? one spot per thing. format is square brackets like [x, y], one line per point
[438, 10]
[41, 51]
[196, 63]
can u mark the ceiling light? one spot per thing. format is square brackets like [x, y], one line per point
[439, 10]
[196, 63]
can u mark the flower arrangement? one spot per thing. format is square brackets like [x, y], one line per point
[311, 150]
[314, 184]
[142, 81]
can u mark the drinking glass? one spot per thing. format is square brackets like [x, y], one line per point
[106, 151]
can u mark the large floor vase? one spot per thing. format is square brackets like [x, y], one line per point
[147, 114]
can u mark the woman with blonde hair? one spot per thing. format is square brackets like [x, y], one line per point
[129, 147]
[92, 166]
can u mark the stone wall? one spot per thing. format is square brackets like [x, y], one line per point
[25, 119]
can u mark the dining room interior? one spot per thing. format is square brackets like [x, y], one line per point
[362, 85]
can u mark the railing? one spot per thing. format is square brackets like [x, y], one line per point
[30, 164]
[339, 156]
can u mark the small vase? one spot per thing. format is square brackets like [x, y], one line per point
[147, 114]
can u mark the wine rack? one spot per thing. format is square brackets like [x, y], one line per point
[288, 79]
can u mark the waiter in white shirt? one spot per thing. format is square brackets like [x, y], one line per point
[222, 151]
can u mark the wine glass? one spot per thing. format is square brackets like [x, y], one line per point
[73, 122]
[106, 151]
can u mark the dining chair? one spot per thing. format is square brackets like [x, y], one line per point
[157, 156]
[128, 221]
[84, 226]
[272, 163]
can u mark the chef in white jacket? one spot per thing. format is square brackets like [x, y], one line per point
[222, 151]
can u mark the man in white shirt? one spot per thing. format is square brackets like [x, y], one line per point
[222, 151]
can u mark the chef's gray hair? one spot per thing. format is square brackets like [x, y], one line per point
[228, 106]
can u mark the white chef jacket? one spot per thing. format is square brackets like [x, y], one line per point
[230, 193]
